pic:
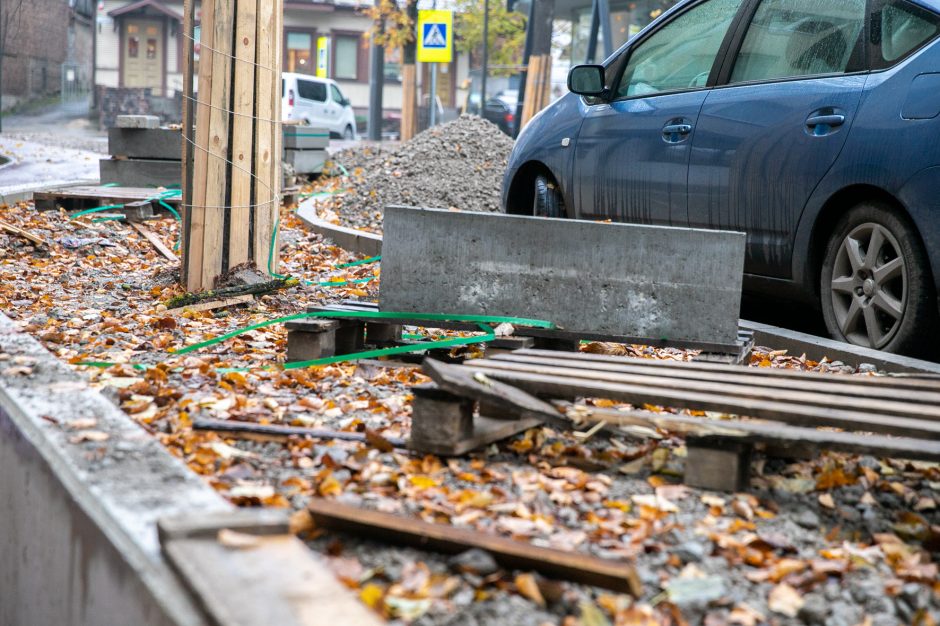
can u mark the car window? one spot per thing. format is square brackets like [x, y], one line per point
[337, 96]
[791, 38]
[679, 55]
[903, 29]
[310, 90]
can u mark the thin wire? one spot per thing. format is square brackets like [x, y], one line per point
[225, 54]
[274, 200]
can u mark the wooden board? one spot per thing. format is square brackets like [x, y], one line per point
[922, 383]
[25, 234]
[800, 415]
[217, 174]
[782, 437]
[242, 132]
[265, 131]
[574, 566]
[90, 196]
[859, 387]
[155, 241]
[794, 395]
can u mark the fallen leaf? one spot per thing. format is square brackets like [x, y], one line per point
[89, 435]
[785, 600]
[529, 588]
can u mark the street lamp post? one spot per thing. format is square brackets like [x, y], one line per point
[486, 55]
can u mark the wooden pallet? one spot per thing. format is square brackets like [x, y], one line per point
[387, 331]
[89, 197]
[883, 416]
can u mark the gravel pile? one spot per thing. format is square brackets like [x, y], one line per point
[458, 165]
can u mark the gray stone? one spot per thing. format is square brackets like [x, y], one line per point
[609, 279]
[867, 368]
[807, 518]
[137, 121]
[475, 561]
[690, 551]
[815, 609]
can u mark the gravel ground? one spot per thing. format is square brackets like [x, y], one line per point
[457, 165]
[838, 540]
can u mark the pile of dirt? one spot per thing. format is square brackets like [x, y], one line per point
[458, 165]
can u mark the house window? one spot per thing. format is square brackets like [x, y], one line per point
[299, 53]
[346, 59]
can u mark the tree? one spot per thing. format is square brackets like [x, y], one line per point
[506, 34]
[394, 26]
[11, 15]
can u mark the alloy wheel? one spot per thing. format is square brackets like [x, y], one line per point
[869, 286]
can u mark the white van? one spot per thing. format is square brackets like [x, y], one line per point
[318, 102]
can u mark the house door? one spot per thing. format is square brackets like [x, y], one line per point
[143, 53]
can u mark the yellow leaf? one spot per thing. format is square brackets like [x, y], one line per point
[785, 600]
[371, 595]
[423, 482]
[529, 588]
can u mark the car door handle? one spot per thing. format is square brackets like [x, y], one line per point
[826, 120]
[677, 129]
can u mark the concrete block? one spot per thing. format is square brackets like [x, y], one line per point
[310, 339]
[137, 121]
[306, 161]
[155, 143]
[141, 172]
[305, 138]
[439, 418]
[349, 239]
[619, 279]
[719, 465]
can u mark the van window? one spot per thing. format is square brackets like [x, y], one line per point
[310, 90]
[337, 95]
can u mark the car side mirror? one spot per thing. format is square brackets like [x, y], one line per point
[586, 80]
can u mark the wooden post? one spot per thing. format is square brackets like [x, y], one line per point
[232, 195]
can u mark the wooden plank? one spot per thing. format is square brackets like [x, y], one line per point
[213, 305]
[792, 395]
[582, 568]
[275, 432]
[277, 177]
[460, 381]
[823, 383]
[409, 113]
[782, 436]
[195, 217]
[265, 130]
[638, 395]
[155, 241]
[265, 579]
[103, 195]
[217, 174]
[25, 234]
[919, 382]
[242, 132]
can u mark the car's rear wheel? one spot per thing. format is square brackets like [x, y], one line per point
[348, 133]
[547, 200]
[876, 286]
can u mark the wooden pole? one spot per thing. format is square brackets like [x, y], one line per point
[232, 192]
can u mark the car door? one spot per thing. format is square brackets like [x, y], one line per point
[312, 101]
[632, 152]
[337, 110]
[768, 134]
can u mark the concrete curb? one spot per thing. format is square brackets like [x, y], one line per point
[79, 541]
[349, 239]
[815, 348]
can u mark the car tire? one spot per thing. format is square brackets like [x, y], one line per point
[547, 199]
[876, 288]
[348, 134]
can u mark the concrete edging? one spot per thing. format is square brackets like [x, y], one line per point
[79, 537]
[349, 239]
[815, 348]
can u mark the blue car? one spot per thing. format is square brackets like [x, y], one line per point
[813, 126]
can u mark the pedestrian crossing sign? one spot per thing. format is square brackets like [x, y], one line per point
[435, 36]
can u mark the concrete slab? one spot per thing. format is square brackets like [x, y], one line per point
[141, 172]
[306, 161]
[621, 279]
[306, 138]
[153, 143]
[137, 121]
